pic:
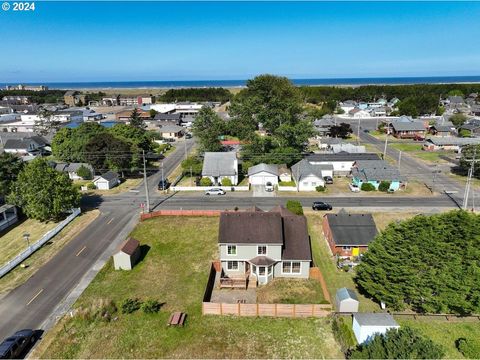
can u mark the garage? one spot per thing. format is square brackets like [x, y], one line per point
[263, 173]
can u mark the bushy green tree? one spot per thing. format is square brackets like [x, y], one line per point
[106, 152]
[295, 207]
[205, 181]
[151, 306]
[384, 186]
[84, 172]
[130, 305]
[429, 264]
[469, 153]
[367, 187]
[10, 167]
[469, 348]
[343, 130]
[458, 119]
[192, 165]
[44, 193]
[226, 182]
[404, 343]
[208, 127]
[136, 120]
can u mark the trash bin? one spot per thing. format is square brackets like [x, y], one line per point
[232, 188]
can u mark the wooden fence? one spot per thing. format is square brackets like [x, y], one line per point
[274, 310]
[180, 213]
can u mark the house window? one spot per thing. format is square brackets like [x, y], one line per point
[261, 270]
[270, 269]
[232, 265]
[254, 269]
[314, 183]
[262, 250]
[232, 249]
[291, 267]
[305, 183]
[346, 248]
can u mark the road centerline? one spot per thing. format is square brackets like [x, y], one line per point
[81, 250]
[33, 298]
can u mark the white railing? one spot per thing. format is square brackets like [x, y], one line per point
[205, 188]
[286, 188]
[10, 265]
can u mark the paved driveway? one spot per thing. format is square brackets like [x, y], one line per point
[259, 191]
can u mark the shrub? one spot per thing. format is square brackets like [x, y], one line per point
[468, 347]
[226, 182]
[151, 306]
[130, 305]
[342, 333]
[367, 187]
[84, 173]
[295, 207]
[91, 186]
[321, 188]
[205, 182]
[286, 183]
[384, 186]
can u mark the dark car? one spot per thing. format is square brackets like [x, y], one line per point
[366, 131]
[163, 184]
[320, 205]
[16, 345]
[328, 179]
[188, 136]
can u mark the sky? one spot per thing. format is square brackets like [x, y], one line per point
[140, 41]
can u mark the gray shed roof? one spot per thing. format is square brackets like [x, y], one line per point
[352, 229]
[452, 140]
[408, 126]
[6, 207]
[344, 294]
[110, 175]
[219, 164]
[378, 170]
[375, 319]
[73, 167]
[270, 168]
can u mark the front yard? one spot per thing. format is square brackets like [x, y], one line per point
[125, 186]
[175, 271]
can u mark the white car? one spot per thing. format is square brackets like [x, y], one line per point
[354, 188]
[269, 187]
[215, 191]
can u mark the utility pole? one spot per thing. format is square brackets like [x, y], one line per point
[146, 182]
[358, 132]
[385, 148]
[469, 182]
[163, 180]
[185, 143]
[399, 159]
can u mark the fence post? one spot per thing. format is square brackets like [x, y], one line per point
[238, 309]
[221, 309]
[275, 309]
[294, 311]
[257, 308]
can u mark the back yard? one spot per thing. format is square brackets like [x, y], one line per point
[175, 271]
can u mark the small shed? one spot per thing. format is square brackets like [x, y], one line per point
[284, 173]
[127, 255]
[107, 180]
[346, 300]
[367, 325]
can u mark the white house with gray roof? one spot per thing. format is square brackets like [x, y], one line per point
[308, 176]
[262, 173]
[220, 165]
[365, 326]
[346, 300]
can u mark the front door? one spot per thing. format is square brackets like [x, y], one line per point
[262, 274]
[247, 267]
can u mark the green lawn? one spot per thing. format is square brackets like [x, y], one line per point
[416, 151]
[291, 291]
[175, 271]
[445, 332]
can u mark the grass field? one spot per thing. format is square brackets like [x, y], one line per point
[291, 291]
[416, 151]
[445, 333]
[175, 271]
[19, 275]
[13, 242]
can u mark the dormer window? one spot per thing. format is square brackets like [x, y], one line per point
[262, 250]
[232, 250]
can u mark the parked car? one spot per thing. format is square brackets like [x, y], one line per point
[188, 136]
[366, 131]
[215, 191]
[163, 184]
[16, 345]
[320, 205]
[169, 140]
[354, 188]
[328, 179]
[269, 187]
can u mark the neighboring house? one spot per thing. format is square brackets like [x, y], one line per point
[358, 113]
[441, 130]
[107, 180]
[17, 99]
[380, 111]
[347, 105]
[322, 126]
[171, 131]
[448, 143]
[72, 169]
[264, 245]
[26, 146]
[325, 143]
[262, 173]
[376, 171]
[348, 234]
[8, 216]
[127, 255]
[171, 118]
[220, 165]
[347, 147]
[113, 100]
[346, 301]
[408, 129]
[342, 162]
[473, 126]
[284, 173]
[125, 115]
[73, 98]
[367, 325]
[308, 176]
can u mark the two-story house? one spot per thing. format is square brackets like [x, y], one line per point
[260, 246]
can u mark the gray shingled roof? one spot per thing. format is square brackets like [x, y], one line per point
[110, 175]
[408, 126]
[352, 229]
[270, 168]
[73, 167]
[344, 294]
[452, 140]
[171, 128]
[341, 156]
[14, 144]
[168, 117]
[375, 319]
[303, 168]
[378, 170]
[219, 164]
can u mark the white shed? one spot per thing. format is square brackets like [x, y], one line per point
[366, 325]
[346, 300]
[107, 181]
[262, 173]
[127, 255]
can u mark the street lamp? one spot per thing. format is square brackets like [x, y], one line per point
[26, 236]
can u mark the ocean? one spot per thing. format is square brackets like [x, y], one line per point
[240, 83]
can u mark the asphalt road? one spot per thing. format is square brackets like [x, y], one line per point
[30, 304]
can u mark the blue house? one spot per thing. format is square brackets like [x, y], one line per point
[376, 171]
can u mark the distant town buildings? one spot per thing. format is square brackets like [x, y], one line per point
[27, 87]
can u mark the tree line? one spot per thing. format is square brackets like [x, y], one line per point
[39, 97]
[196, 94]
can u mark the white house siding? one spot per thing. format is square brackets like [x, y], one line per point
[309, 183]
[247, 252]
[262, 178]
[347, 305]
[103, 184]
[218, 181]
[364, 333]
[304, 270]
[339, 167]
